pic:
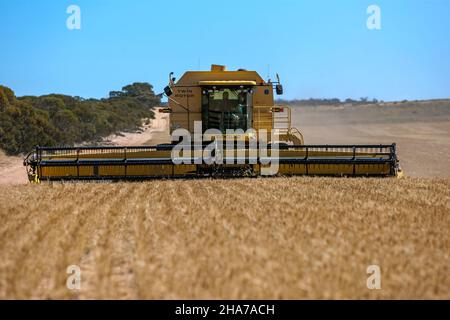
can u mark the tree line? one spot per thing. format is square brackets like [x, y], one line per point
[62, 120]
[333, 101]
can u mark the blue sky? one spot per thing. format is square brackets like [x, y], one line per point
[320, 48]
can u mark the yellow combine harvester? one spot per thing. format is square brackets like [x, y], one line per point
[213, 108]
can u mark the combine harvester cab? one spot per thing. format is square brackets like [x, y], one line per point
[212, 104]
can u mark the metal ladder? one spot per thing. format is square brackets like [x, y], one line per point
[281, 120]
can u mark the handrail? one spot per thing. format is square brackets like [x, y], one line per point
[169, 146]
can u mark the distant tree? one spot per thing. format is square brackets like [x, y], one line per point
[335, 101]
[141, 91]
[68, 126]
[115, 94]
[50, 104]
[138, 89]
[6, 97]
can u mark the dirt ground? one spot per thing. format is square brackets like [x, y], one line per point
[12, 171]
[421, 131]
[157, 131]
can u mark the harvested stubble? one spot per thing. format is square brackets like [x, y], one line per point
[240, 238]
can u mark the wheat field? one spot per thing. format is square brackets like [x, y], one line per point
[271, 238]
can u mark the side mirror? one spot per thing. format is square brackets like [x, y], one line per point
[279, 89]
[168, 91]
